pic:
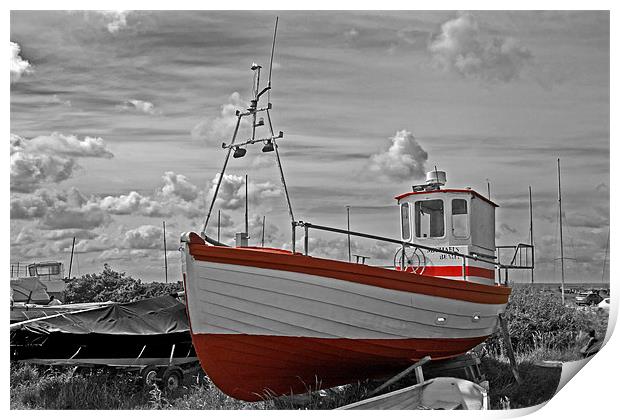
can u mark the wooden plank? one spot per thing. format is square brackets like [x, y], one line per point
[401, 375]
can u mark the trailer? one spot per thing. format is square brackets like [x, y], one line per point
[150, 337]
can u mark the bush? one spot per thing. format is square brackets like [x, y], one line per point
[537, 319]
[111, 285]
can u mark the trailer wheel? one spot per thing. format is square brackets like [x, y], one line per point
[149, 376]
[172, 378]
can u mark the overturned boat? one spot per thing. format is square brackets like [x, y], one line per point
[268, 322]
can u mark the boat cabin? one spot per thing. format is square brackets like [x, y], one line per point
[447, 219]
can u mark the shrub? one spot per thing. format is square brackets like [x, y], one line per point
[110, 285]
[537, 319]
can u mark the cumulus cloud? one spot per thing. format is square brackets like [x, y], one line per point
[58, 210]
[403, 158]
[50, 158]
[231, 195]
[132, 203]
[177, 185]
[217, 129]
[18, 65]
[462, 48]
[144, 237]
[137, 105]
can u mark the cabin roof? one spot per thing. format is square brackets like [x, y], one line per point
[447, 190]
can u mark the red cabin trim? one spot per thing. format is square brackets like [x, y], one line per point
[449, 190]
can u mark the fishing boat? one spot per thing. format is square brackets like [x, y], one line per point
[267, 322]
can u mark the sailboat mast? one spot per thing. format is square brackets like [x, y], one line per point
[561, 237]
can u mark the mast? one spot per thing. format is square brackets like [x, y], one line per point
[605, 260]
[270, 144]
[218, 224]
[531, 235]
[246, 206]
[70, 260]
[349, 231]
[262, 241]
[165, 254]
[561, 237]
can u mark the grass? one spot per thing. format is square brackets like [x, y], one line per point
[540, 328]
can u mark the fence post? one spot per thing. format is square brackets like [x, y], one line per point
[464, 269]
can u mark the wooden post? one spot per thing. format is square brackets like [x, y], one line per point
[418, 370]
[509, 350]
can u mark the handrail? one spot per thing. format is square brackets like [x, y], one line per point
[307, 226]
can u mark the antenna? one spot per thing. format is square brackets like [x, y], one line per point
[273, 47]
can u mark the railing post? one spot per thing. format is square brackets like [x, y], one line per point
[464, 269]
[402, 257]
[294, 225]
[305, 239]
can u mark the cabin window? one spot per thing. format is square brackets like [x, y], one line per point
[44, 270]
[460, 226]
[405, 223]
[429, 219]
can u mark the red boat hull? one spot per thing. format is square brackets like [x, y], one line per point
[241, 364]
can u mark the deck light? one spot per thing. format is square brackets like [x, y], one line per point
[239, 152]
[268, 147]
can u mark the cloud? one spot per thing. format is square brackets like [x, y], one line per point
[18, 65]
[462, 48]
[132, 203]
[123, 254]
[72, 211]
[50, 158]
[58, 210]
[138, 105]
[55, 100]
[231, 195]
[177, 185]
[403, 158]
[218, 129]
[144, 237]
[60, 144]
[68, 233]
[117, 19]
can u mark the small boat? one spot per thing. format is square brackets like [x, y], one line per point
[434, 394]
[267, 322]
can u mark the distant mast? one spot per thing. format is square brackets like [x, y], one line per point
[561, 237]
[165, 254]
[70, 260]
[531, 234]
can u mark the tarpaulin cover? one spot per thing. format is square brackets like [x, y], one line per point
[160, 315]
[150, 328]
[29, 289]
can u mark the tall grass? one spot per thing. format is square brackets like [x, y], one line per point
[541, 328]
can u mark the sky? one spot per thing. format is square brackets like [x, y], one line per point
[117, 118]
